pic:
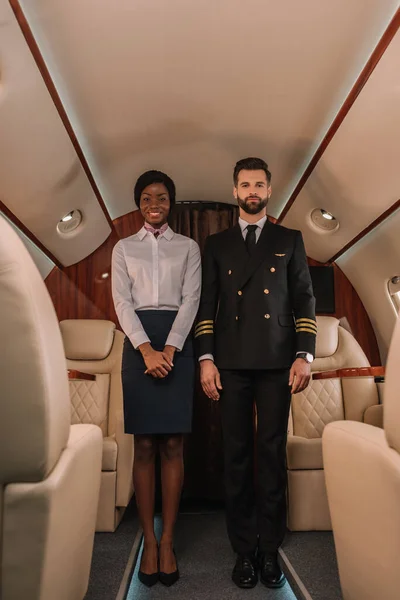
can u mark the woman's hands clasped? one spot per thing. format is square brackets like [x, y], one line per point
[158, 364]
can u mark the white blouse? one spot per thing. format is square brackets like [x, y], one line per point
[156, 274]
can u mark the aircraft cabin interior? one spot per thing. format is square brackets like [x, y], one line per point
[92, 95]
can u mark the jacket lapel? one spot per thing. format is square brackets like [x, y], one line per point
[263, 249]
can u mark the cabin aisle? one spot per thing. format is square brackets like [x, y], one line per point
[312, 555]
[205, 562]
[110, 557]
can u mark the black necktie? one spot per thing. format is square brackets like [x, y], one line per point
[251, 238]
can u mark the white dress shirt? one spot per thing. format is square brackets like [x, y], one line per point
[243, 225]
[260, 224]
[161, 273]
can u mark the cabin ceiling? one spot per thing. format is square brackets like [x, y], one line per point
[358, 176]
[41, 178]
[190, 88]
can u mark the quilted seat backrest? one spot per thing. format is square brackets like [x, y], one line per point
[94, 346]
[319, 404]
[90, 401]
[327, 400]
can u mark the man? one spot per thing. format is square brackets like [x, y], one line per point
[255, 335]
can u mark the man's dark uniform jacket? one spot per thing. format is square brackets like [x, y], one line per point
[256, 311]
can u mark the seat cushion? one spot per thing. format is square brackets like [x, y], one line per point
[303, 453]
[110, 453]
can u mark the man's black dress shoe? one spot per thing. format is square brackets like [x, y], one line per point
[270, 571]
[244, 572]
[169, 579]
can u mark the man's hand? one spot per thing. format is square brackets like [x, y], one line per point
[158, 364]
[210, 379]
[299, 376]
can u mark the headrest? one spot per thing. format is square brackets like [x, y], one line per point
[34, 392]
[328, 336]
[87, 339]
[391, 398]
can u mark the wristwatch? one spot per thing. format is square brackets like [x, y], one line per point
[305, 356]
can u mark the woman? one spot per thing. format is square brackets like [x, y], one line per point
[156, 280]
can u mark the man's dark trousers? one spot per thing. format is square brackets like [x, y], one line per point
[255, 501]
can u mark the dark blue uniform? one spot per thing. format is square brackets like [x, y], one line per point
[256, 311]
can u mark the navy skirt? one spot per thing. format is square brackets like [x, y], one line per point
[153, 406]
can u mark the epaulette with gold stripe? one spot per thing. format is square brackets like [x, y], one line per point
[204, 327]
[307, 325]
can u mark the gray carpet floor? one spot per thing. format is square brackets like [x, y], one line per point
[312, 554]
[110, 555]
[206, 560]
[205, 563]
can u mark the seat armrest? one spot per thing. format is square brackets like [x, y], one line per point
[374, 416]
[351, 372]
[362, 475]
[74, 374]
[304, 453]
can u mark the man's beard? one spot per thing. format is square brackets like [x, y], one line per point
[253, 208]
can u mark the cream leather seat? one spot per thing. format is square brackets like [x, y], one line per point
[95, 346]
[321, 403]
[49, 471]
[362, 465]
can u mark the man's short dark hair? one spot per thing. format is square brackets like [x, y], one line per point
[251, 164]
[151, 177]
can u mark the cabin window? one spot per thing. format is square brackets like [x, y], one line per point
[394, 291]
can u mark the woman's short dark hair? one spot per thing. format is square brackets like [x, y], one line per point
[151, 177]
[251, 164]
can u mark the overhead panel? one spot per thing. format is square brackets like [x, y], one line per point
[357, 178]
[41, 178]
[191, 87]
[370, 265]
[44, 264]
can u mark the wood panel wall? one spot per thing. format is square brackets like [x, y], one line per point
[83, 291]
[349, 305]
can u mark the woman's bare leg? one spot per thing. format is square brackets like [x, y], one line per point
[144, 481]
[172, 471]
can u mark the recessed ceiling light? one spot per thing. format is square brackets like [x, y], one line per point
[67, 217]
[69, 222]
[327, 215]
[323, 221]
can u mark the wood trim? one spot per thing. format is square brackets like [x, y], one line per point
[72, 374]
[367, 230]
[37, 55]
[354, 372]
[346, 106]
[10, 215]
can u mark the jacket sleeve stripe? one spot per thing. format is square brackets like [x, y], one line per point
[211, 331]
[306, 329]
[307, 326]
[201, 323]
[305, 320]
[204, 327]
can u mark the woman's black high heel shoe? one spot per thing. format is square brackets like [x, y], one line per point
[149, 579]
[169, 579]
